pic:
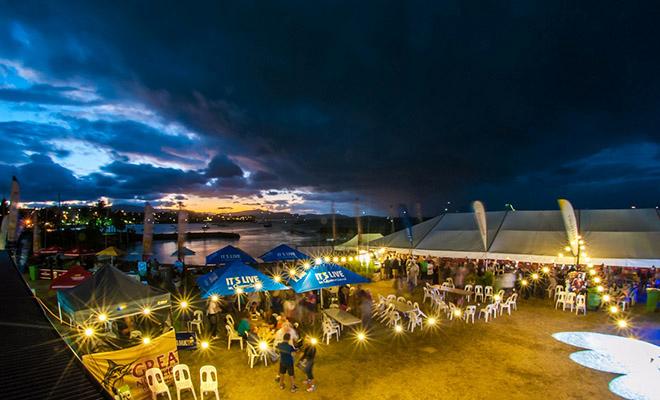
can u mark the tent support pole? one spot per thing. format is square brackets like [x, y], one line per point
[238, 296]
[321, 296]
[59, 311]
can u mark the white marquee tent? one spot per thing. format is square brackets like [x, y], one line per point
[352, 243]
[629, 237]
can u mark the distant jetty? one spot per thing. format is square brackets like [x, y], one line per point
[190, 235]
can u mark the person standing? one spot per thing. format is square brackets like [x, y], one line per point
[366, 303]
[286, 351]
[413, 275]
[396, 265]
[213, 313]
[387, 264]
[306, 363]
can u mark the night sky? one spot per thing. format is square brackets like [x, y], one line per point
[291, 105]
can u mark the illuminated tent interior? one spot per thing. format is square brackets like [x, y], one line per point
[112, 292]
[629, 237]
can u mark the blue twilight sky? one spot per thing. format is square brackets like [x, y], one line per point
[292, 105]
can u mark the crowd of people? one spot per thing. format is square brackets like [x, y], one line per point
[409, 271]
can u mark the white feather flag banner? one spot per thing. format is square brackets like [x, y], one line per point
[480, 217]
[570, 223]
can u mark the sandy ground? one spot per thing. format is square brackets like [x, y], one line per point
[512, 357]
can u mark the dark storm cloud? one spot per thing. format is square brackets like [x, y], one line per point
[130, 137]
[222, 167]
[43, 180]
[401, 102]
[43, 94]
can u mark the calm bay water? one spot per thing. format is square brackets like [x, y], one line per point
[255, 240]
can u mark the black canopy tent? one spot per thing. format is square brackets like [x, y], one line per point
[112, 293]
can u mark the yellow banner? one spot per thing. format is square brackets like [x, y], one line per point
[114, 369]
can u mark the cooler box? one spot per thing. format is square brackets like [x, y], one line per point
[652, 298]
[593, 299]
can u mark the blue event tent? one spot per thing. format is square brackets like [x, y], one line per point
[225, 281]
[284, 253]
[326, 275]
[229, 254]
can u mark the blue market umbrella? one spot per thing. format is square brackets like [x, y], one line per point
[236, 278]
[229, 254]
[284, 253]
[326, 275]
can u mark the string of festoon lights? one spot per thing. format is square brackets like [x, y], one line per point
[361, 336]
[183, 305]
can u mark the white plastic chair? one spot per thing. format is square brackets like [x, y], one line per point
[513, 301]
[569, 301]
[580, 304]
[230, 320]
[208, 381]
[470, 311]
[196, 321]
[328, 331]
[254, 354]
[393, 318]
[560, 297]
[450, 281]
[486, 311]
[417, 310]
[478, 293]
[450, 311]
[440, 306]
[401, 299]
[488, 293]
[385, 315]
[470, 289]
[182, 380]
[558, 290]
[414, 320]
[156, 383]
[332, 322]
[428, 293]
[233, 335]
[508, 304]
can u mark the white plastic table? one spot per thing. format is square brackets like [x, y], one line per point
[343, 317]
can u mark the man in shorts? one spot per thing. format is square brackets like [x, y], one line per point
[286, 351]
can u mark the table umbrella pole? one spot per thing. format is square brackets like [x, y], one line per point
[239, 301]
[321, 296]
